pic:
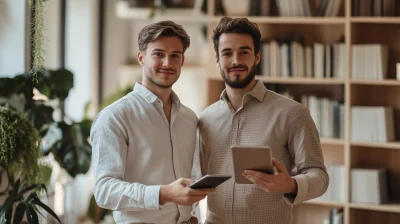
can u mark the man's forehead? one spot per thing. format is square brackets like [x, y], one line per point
[235, 40]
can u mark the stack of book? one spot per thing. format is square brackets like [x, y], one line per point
[335, 217]
[372, 123]
[327, 114]
[302, 8]
[337, 184]
[369, 186]
[374, 7]
[291, 58]
[369, 61]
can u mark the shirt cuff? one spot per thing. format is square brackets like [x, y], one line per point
[302, 189]
[152, 196]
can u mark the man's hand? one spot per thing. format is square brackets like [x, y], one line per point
[280, 182]
[178, 192]
[194, 220]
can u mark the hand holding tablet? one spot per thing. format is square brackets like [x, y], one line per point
[257, 158]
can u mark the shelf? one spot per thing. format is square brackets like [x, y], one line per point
[383, 20]
[387, 145]
[175, 14]
[304, 81]
[387, 82]
[325, 203]
[383, 208]
[312, 81]
[290, 20]
[328, 141]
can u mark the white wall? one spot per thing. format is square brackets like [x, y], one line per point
[52, 34]
[12, 37]
[79, 54]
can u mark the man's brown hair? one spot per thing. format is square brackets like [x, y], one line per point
[162, 29]
[237, 25]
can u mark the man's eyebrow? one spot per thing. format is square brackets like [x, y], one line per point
[245, 48]
[242, 48]
[157, 49]
[161, 50]
[226, 49]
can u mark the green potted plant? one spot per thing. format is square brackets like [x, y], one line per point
[19, 154]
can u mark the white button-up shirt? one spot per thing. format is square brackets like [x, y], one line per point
[136, 150]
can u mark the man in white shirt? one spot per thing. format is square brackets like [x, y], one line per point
[143, 144]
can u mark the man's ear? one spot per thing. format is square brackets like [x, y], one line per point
[258, 57]
[140, 57]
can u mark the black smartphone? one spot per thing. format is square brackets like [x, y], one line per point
[210, 181]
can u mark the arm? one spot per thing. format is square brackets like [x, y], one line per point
[303, 142]
[109, 150]
[201, 150]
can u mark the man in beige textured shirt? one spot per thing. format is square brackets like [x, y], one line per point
[248, 113]
[143, 144]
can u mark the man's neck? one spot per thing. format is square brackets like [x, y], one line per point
[235, 95]
[164, 94]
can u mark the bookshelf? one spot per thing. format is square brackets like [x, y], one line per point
[386, 92]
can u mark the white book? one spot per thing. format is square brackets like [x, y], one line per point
[369, 186]
[284, 60]
[309, 62]
[314, 107]
[274, 47]
[300, 60]
[318, 60]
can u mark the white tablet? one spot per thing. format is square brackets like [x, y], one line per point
[248, 157]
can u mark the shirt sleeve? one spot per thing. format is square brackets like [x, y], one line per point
[109, 150]
[201, 151]
[304, 145]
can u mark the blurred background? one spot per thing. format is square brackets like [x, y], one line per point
[340, 58]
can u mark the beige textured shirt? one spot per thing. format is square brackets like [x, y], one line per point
[269, 119]
[136, 150]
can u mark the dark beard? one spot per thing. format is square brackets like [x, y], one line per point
[237, 84]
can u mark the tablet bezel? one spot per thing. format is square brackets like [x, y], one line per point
[250, 157]
[209, 181]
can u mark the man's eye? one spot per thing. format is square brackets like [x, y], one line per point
[244, 52]
[226, 54]
[158, 54]
[176, 56]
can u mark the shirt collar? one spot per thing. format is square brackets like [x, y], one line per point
[257, 92]
[150, 97]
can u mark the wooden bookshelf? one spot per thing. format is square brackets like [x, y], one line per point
[289, 20]
[351, 154]
[394, 208]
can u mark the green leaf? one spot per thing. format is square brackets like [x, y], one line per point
[61, 81]
[6, 206]
[19, 213]
[37, 201]
[35, 186]
[8, 215]
[31, 214]
[16, 188]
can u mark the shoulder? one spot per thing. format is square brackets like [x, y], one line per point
[113, 113]
[189, 113]
[212, 109]
[286, 106]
